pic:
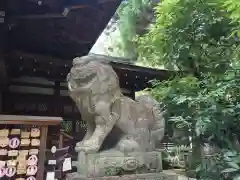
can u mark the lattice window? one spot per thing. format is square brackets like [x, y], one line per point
[67, 109]
[19, 106]
[67, 126]
[82, 125]
[42, 107]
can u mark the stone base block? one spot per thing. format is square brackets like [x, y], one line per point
[113, 163]
[151, 176]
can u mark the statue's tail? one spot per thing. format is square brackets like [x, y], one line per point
[157, 130]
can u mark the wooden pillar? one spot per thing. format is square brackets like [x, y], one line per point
[56, 106]
[3, 81]
[61, 139]
[3, 34]
[1, 102]
[3, 25]
[42, 155]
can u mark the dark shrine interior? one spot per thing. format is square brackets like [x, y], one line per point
[39, 39]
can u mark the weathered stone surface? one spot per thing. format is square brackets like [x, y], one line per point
[94, 86]
[156, 176]
[114, 162]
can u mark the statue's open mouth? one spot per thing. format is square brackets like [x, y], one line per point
[76, 80]
[82, 73]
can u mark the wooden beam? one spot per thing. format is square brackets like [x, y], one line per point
[131, 76]
[41, 16]
[3, 73]
[37, 120]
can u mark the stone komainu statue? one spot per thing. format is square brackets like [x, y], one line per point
[94, 86]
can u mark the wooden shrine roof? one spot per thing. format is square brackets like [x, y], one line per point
[58, 28]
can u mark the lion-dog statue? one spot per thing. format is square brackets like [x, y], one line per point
[94, 87]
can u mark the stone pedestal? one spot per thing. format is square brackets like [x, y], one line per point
[151, 176]
[112, 163]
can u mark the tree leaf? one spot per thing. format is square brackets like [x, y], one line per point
[237, 177]
[229, 170]
[233, 165]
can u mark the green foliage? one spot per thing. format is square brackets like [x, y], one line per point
[194, 36]
[210, 106]
[132, 16]
[223, 165]
[233, 7]
[187, 35]
[199, 37]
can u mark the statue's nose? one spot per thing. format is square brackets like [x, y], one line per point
[76, 61]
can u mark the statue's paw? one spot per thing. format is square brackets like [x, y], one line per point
[91, 143]
[79, 144]
[88, 146]
[86, 149]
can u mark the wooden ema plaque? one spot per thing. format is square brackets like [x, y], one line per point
[23, 146]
